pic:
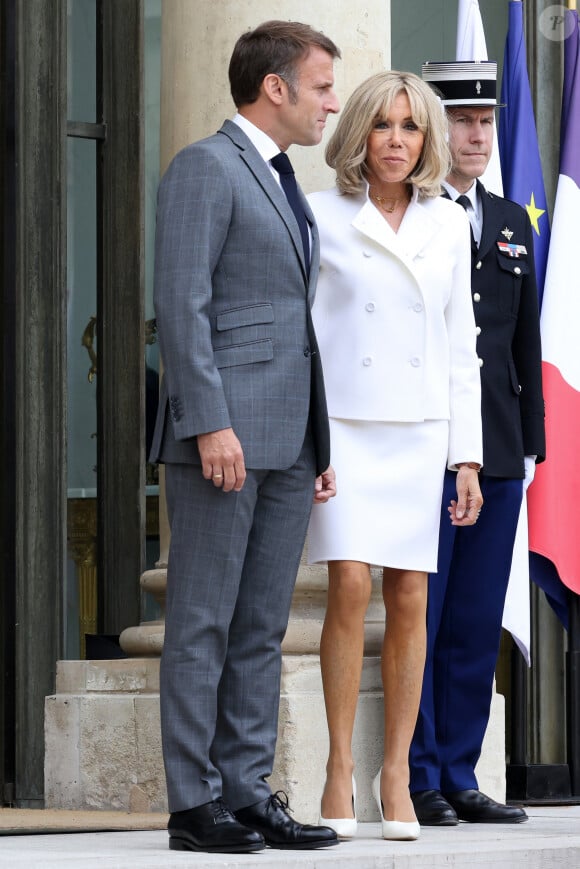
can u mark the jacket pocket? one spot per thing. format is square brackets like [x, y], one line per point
[244, 354]
[512, 270]
[250, 315]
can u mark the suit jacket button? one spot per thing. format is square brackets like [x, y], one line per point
[175, 408]
[478, 265]
[478, 330]
[476, 297]
[480, 362]
[517, 270]
[306, 351]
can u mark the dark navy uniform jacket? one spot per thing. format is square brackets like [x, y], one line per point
[505, 303]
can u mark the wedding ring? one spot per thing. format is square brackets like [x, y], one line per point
[217, 476]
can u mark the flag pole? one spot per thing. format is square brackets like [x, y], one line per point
[573, 691]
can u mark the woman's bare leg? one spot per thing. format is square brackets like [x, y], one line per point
[403, 662]
[341, 656]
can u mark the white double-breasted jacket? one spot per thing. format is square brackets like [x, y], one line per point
[394, 317]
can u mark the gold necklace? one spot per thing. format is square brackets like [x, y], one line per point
[389, 203]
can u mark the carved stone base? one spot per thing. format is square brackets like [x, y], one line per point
[102, 737]
[103, 742]
[146, 639]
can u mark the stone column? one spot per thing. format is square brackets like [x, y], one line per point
[197, 41]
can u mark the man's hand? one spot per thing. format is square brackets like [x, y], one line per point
[325, 486]
[222, 459]
[465, 511]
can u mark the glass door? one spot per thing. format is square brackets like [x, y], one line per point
[84, 134]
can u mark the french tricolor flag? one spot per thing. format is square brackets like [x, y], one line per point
[553, 500]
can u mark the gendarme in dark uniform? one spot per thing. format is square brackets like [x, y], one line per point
[467, 595]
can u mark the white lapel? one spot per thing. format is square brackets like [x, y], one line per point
[418, 227]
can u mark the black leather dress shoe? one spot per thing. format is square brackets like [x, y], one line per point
[433, 810]
[473, 806]
[212, 828]
[270, 818]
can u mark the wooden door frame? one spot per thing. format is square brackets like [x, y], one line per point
[33, 354]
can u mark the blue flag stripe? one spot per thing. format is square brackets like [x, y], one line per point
[521, 167]
[523, 183]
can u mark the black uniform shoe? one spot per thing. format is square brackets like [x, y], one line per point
[270, 818]
[433, 810]
[473, 806]
[212, 828]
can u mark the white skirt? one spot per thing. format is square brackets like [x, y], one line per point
[387, 510]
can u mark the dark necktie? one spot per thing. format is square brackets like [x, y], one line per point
[283, 166]
[465, 203]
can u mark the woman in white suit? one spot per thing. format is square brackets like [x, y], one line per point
[395, 325]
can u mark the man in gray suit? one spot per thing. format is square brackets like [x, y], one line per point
[243, 431]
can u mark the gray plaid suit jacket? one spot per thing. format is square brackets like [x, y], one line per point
[232, 299]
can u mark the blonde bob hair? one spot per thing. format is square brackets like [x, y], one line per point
[370, 102]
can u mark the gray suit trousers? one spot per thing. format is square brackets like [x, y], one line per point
[232, 568]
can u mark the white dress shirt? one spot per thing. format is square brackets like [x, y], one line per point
[474, 212]
[264, 145]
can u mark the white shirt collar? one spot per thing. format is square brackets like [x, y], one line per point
[475, 213]
[266, 147]
[471, 193]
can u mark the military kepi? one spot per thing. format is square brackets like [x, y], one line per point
[463, 82]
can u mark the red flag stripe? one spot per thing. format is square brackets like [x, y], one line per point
[554, 528]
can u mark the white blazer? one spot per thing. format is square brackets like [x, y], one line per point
[394, 317]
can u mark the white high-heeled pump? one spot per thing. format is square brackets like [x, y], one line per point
[345, 827]
[398, 830]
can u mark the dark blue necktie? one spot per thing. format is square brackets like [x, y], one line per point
[283, 166]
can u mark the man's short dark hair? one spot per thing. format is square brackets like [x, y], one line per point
[273, 47]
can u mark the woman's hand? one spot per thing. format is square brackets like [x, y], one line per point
[325, 486]
[466, 510]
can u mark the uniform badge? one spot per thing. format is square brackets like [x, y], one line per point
[507, 233]
[513, 250]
